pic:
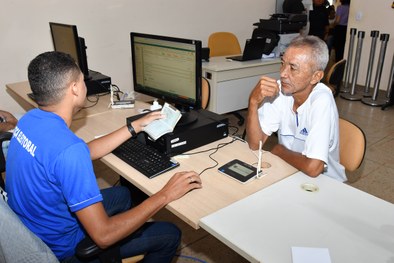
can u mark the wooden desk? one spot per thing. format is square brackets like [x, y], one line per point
[353, 225]
[232, 81]
[19, 91]
[218, 190]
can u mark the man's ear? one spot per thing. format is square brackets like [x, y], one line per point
[74, 88]
[317, 76]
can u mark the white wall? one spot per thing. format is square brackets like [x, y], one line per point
[106, 25]
[376, 15]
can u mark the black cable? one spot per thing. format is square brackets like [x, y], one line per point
[234, 127]
[219, 146]
[88, 98]
[117, 91]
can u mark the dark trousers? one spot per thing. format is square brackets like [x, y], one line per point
[158, 241]
[339, 41]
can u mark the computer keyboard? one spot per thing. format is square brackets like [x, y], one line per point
[144, 158]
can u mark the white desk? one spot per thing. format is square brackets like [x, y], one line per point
[353, 225]
[232, 81]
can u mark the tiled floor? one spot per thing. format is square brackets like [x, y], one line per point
[375, 176]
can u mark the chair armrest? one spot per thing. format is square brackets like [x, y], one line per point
[4, 136]
[87, 249]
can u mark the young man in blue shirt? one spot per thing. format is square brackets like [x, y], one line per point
[51, 182]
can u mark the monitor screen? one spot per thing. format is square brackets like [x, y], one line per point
[167, 68]
[65, 39]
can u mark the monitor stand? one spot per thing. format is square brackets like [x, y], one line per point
[188, 117]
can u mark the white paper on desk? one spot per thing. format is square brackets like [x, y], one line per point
[310, 255]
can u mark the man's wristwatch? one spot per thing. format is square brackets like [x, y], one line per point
[131, 129]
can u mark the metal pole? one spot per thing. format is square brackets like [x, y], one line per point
[352, 95]
[374, 35]
[373, 101]
[390, 85]
[349, 61]
[390, 88]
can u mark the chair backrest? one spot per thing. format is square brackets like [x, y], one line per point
[205, 93]
[335, 76]
[4, 136]
[223, 44]
[352, 145]
[19, 244]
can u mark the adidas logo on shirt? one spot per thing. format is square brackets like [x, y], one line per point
[304, 132]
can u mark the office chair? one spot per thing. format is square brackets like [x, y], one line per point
[352, 145]
[14, 236]
[4, 136]
[223, 44]
[17, 242]
[205, 93]
[335, 75]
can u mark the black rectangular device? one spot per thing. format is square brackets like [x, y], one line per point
[254, 49]
[239, 170]
[207, 128]
[97, 83]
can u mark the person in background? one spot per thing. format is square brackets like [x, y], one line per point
[318, 20]
[293, 7]
[340, 29]
[300, 109]
[331, 20]
[51, 184]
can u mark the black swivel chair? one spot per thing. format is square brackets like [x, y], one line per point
[14, 232]
[4, 136]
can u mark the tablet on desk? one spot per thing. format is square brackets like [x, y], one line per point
[239, 170]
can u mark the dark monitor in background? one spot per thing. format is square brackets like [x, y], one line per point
[168, 68]
[65, 39]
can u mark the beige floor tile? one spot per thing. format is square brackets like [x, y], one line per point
[208, 250]
[382, 152]
[367, 167]
[378, 183]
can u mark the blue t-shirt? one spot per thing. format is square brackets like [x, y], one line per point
[49, 177]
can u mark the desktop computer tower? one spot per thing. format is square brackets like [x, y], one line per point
[97, 83]
[208, 127]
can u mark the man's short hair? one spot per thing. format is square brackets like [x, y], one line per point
[318, 48]
[49, 75]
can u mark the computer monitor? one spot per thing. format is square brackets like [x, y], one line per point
[65, 39]
[168, 68]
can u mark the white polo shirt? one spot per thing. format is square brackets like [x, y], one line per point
[313, 130]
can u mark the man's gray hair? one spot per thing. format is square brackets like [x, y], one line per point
[318, 47]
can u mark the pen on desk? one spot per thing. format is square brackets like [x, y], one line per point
[259, 161]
